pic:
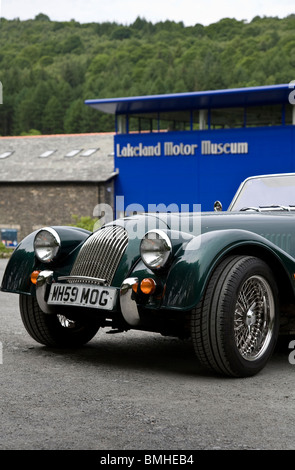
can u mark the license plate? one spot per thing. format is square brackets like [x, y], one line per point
[82, 295]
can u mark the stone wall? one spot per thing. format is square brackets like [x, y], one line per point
[27, 207]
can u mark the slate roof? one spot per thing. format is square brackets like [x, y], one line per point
[25, 163]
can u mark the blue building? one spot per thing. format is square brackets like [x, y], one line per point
[195, 148]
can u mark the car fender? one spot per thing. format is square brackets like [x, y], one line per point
[23, 261]
[195, 262]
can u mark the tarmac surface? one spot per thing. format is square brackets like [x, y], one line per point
[135, 391]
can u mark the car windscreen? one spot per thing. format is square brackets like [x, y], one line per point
[265, 191]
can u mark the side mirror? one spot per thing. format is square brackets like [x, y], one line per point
[217, 206]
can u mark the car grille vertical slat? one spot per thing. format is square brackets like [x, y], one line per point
[100, 255]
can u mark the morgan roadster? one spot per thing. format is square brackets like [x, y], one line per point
[224, 279]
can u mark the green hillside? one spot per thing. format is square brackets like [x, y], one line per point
[49, 68]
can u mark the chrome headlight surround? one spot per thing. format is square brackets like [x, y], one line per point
[47, 244]
[155, 249]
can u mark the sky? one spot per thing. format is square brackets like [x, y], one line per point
[125, 12]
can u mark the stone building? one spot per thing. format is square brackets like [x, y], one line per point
[45, 180]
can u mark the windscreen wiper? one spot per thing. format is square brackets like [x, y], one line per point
[272, 207]
[244, 209]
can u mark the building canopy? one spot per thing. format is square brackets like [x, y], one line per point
[235, 97]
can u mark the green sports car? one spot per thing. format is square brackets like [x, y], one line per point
[225, 279]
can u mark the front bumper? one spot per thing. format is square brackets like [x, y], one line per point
[127, 301]
[128, 305]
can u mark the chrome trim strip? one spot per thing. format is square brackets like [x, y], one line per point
[128, 303]
[86, 279]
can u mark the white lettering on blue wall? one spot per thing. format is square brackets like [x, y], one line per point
[179, 149]
[209, 148]
[139, 150]
[170, 149]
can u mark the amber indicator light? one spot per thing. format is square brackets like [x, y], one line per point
[148, 286]
[34, 276]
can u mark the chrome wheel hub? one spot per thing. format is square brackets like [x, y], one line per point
[65, 322]
[250, 316]
[254, 318]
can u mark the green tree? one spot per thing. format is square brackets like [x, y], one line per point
[42, 17]
[53, 117]
[41, 59]
[71, 44]
[85, 222]
[73, 119]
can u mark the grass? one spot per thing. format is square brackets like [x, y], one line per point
[5, 252]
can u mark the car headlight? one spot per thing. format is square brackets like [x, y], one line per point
[155, 249]
[46, 244]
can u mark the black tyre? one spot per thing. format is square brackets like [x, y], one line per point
[54, 330]
[235, 326]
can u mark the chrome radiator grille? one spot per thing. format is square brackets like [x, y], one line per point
[100, 255]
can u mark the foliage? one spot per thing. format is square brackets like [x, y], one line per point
[31, 132]
[5, 252]
[49, 68]
[86, 222]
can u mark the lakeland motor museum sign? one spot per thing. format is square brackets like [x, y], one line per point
[171, 149]
[198, 167]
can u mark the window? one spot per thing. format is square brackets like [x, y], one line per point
[72, 153]
[5, 154]
[266, 115]
[211, 118]
[47, 153]
[227, 118]
[88, 152]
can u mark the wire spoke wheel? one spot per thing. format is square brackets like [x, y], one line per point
[235, 326]
[254, 318]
